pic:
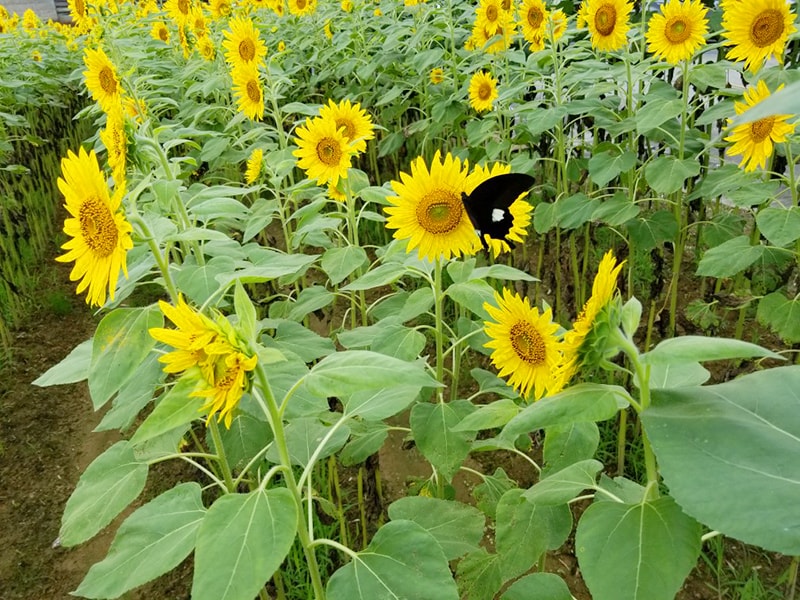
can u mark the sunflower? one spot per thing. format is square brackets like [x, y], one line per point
[100, 234]
[101, 78]
[334, 193]
[116, 143]
[524, 344]
[347, 5]
[243, 44]
[500, 40]
[489, 15]
[160, 32]
[178, 10]
[557, 24]
[533, 17]
[220, 9]
[678, 31]
[607, 21]
[324, 151]
[755, 140]
[205, 47]
[301, 8]
[197, 21]
[604, 287]
[436, 75]
[520, 210]
[352, 119]
[247, 87]
[757, 30]
[254, 165]
[229, 385]
[482, 91]
[428, 210]
[77, 10]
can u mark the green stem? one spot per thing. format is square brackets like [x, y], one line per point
[438, 302]
[621, 438]
[161, 260]
[213, 427]
[792, 583]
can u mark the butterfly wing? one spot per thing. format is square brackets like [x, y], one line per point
[487, 205]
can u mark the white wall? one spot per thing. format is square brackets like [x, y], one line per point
[45, 9]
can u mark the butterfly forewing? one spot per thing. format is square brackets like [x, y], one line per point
[487, 205]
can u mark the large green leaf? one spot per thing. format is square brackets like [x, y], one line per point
[538, 586]
[781, 226]
[472, 295]
[562, 486]
[523, 533]
[651, 229]
[241, 542]
[150, 542]
[489, 416]
[432, 425]
[729, 258]
[134, 395]
[338, 263]
[636, 552]
[111, 482]
[245, 438]
[569, 443]
[731, 452]
[667, 174]
[457, 527]
[377, 405]
[357, 370]
[381, 275]
[121, 343]
[479, 576]
[403, 560]
[781, 314]
[73, 368]
[304, 436]
[176, 408]
[695, 348]
[605, 166]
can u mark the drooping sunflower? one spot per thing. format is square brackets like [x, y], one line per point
[482, 91]
[323, 152]
[520, 209]
[608, 24]
[755, 141]
[436, 75]
[220, 9]
[243, 44]
[428, 210]
[524, 344]
[757, 30]
[248, 91]
[254, 165]
[301, 8]
[533, 17]
[101, 78]
[489, 15]
[116, 143]
[604, 287]
[160, 32]
[352, 119]
[678, 31]
[99, 231]
[230, 382]
[179, 10]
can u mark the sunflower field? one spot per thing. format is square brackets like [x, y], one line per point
[554, 247]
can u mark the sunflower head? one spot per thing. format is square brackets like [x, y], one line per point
[324, 152]
[533, 17]
[254, 165]
[243, 44]
[101, 78]
[355, 123]
[678, 30]
[248, 91]
[482, 91]
[301, 8]
[436, 75]
[607, 21]
[757, 29]
[160, 32]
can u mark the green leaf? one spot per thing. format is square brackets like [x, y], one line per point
[651, 230]
[292, 337]
[245, 438]
[338, 263]
[73, 368]
[544, 217]
[538, 586]
[729, 258]
[381, 275]
[673, 375]
[576, 210]
[479, 576]
[523, 532]
[472, 295]
[176, 408]
[569, 443]
[498, 271]
[562, 486]
[150, 542]
[582, 402]
[731, 451]
[615, 211]
[352, 371]
[432, 425]
[304, 436]
[376, 405]
[488, 493]
[400, 342]
[695, 348]
[134, 395]
[489, 416]
[241, 543]
[111, 482]
[366, 439]
[605, 166]
[491, 384]
[245, 311]
[199, 282]
[656, 113]
[668, 174]
[402, 561]
[309, 300]
[781, 226]
[636, 552]
[782, 315]
[457, 527]
[122, 341]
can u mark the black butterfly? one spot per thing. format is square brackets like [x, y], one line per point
[487, 205]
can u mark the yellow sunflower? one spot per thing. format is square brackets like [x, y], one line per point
[557, 24]
[524, 344]
[607, 21]
[101, 78]
[482, 91]
[323, 152]
[520, 209]
[78, 12]
[334, 193]
[347, 5]
[178, 10]
[428, 210]
[678, 31]
[116, 143]
[197, 21]
[757, 29]
[533, 16]
[755, 140]
[220, 9]
[160, 32]
[247, 88]
[254, 165]
[436, 75]
[581, 18]
[229, 384]
[352, 119]
[301, 8]
[243, 44]
[489, 15]
[205, 47]
[100, 234]
[604, 287]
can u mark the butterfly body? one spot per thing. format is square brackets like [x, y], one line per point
[487, 205]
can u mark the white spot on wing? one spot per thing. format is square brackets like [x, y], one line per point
[498, 214]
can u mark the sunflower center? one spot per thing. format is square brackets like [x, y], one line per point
[247, 50]
[254, 91]
[107, 80]
[535, 17]
[767, 28]
[301, 4]
[183, 7]
[439, 211]
[506, 5]
[80, 7]
[605, 19]
[98, 227]
[677, 30]
[329, 151]
[485, 91]
[349, 129]
[762, 128]
[528, 343]
[163, 34]
[491, 13]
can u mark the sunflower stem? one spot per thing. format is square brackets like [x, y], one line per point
[161, 260]
[213, 427]
[438, 301]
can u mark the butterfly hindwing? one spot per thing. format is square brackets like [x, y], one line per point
[487, 205]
